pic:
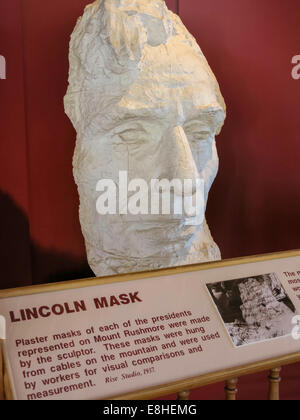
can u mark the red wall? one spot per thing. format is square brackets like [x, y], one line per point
[254, 204]
[37, 190]
[14, 203]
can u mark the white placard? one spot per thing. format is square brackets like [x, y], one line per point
[107, 340]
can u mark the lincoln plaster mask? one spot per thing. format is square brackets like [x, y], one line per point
[142, 99]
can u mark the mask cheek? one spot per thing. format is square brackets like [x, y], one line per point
[210, 168]
[203, 154]
[119, 158]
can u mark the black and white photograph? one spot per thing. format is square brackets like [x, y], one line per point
[253, 309]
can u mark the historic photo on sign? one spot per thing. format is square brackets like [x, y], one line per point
[254, 309]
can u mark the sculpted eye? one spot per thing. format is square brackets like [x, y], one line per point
[132, 136]
[201, 135]
[197, 132]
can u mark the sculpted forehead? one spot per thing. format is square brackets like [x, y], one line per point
[135, 56]
[173, 76]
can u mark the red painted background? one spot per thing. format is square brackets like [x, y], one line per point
[254, 204]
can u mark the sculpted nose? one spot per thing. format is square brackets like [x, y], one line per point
[183, 160]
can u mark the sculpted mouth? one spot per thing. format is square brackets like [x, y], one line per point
[165, 223]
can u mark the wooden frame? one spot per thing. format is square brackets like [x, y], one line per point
[2, 396]
[209, 379]
[182, 386]
[5, 386]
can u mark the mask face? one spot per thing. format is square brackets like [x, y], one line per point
[152, 114]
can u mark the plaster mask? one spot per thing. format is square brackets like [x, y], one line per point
[144, 100]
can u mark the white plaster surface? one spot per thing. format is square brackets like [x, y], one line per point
[142, 99]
